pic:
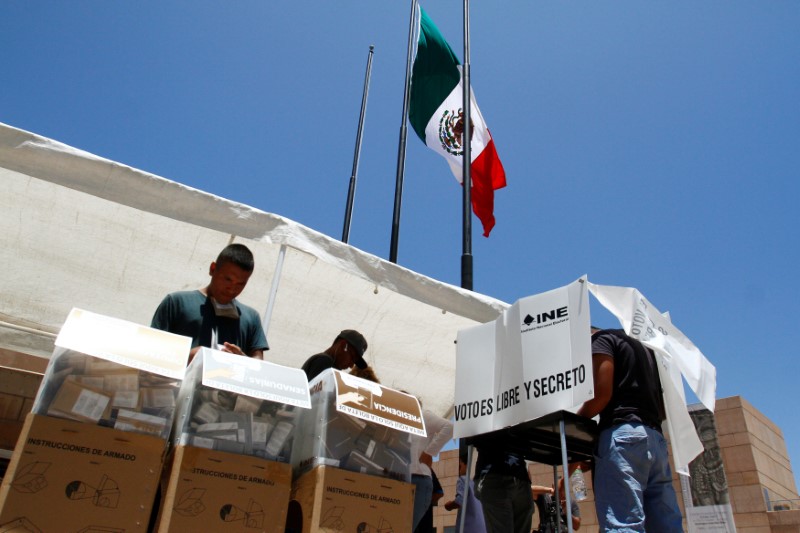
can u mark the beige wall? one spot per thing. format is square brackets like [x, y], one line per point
[756, 459]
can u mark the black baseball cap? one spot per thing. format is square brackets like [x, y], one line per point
[357, 341]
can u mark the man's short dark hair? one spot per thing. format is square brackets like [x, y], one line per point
[238, 254]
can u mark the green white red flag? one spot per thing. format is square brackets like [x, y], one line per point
[436, 114]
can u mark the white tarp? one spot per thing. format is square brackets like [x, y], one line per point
[532, 361]
[82, 231]
[676, 356]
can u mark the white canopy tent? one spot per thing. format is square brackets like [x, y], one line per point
[82, 231]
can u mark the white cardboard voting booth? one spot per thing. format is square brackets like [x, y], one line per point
[532, 361]
[535, 360]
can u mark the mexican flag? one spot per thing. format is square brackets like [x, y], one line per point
[436, 114]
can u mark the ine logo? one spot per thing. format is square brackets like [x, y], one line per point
[541, 318]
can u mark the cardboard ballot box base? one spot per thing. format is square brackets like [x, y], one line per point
[332, 499]
[72, 476]
[218, 491]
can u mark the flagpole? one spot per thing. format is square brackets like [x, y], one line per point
[466, 217]
[466, 164]
[351, 192]
[401, 148]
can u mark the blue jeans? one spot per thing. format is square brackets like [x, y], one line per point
[633, 481]
[422, 497]
[507, 503]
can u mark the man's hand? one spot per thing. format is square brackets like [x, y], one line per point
[426, 459]
[451, 505]
[232, 348]
[193, 352]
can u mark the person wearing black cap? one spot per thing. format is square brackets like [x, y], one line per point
[347, 350]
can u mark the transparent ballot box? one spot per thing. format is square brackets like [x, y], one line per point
[113, 373]
[357, 425]
[240, 405]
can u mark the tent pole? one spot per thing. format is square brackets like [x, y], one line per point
[273, 291]
[464, 499]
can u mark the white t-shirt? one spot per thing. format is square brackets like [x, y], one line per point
[439, 431]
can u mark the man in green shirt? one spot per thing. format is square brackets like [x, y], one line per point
[212, 316]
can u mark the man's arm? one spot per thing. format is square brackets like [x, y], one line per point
[456, 502]
[576, 515]
[253, 339]
[441, 430]
[232, 348]
[603, 371]
[162, 315]
[538, 490]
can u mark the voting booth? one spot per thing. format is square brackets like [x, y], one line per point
[518, 377]
[523, 396]
[92, 450]
[234, 428]
[532, 361]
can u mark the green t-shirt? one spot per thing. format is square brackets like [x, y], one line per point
[191, 313]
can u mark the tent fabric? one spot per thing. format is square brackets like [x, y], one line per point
[83, 231]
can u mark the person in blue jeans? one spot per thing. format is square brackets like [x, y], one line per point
[473, 521]
[632, 478]
[423, 450]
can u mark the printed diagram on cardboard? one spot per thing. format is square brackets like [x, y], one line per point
[253, 517]
[384, 527]
[105, 495]
[19, 525]
[30, 479]
[332, 521]
[190, 503]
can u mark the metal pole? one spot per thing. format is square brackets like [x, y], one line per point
[351, 192]
[401, 147]
[273, 291]
[466, 255]
[557, 499]
[464, 498]
[565, 472]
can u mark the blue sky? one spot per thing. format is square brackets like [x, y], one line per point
[646, 144]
